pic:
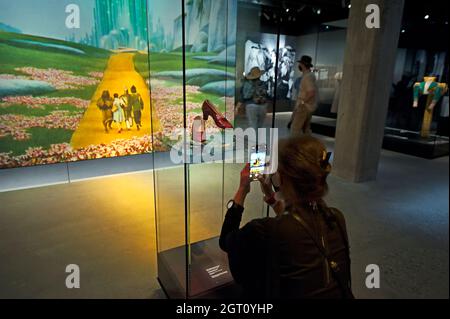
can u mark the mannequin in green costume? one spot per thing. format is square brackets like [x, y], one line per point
[435, 91]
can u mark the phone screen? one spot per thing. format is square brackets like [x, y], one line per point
[257, 162]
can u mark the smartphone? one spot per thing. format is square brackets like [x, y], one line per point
[258, 157]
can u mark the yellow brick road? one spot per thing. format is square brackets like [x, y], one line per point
[120, 73]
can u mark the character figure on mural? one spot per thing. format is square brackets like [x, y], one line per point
[255, 58]
[258, 55]
[271, 74]
[268, 64]
[105, 104]
[137, 105]
[286, 72]
[118, 112]
[125, 100]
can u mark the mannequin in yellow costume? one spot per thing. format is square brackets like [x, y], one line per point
[435, 91]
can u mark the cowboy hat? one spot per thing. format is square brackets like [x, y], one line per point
[306, 60]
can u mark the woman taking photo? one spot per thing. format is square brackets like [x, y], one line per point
[301, 253]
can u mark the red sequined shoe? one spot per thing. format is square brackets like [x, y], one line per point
[210, 110]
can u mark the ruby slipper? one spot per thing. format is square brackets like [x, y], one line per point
[210, 110]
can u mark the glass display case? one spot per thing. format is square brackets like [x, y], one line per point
[329, 53]
[198, 70]
[191, 192]
[417, 121]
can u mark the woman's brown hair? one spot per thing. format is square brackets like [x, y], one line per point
[303, 161]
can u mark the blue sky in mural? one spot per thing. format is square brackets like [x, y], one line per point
[46, 17]
[33, 16]
[112, 24]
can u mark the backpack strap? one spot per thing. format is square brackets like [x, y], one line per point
[335, 270]
[334, 211]
[272, 263]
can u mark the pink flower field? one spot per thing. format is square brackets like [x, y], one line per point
[58, 153]
[170, 113]
[32, 102]
[165, 100]
[60, 79]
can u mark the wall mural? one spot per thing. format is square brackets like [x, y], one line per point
[78, 93]
[263, 55]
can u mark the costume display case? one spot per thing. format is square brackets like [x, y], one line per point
[417, 120]
[420, 80]
[203, 92]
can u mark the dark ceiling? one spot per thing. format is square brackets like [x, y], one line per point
[297, 17]
[418, 32]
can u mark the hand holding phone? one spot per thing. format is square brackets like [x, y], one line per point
[266, 185]
[244, 185]
[257, 162]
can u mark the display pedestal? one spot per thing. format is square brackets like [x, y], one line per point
[397, 140]
[412, 143]
[208, 273]
[323, 126]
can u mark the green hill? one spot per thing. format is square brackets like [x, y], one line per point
[15, 52]
[19, 51]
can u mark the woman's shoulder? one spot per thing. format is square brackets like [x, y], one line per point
[264, 228]
[260, 226]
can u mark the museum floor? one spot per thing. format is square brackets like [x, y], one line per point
[107, 227]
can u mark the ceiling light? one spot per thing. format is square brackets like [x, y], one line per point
[427, 17]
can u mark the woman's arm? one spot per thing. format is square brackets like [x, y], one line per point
[234, 214]
[244, 246]
[230, 224]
